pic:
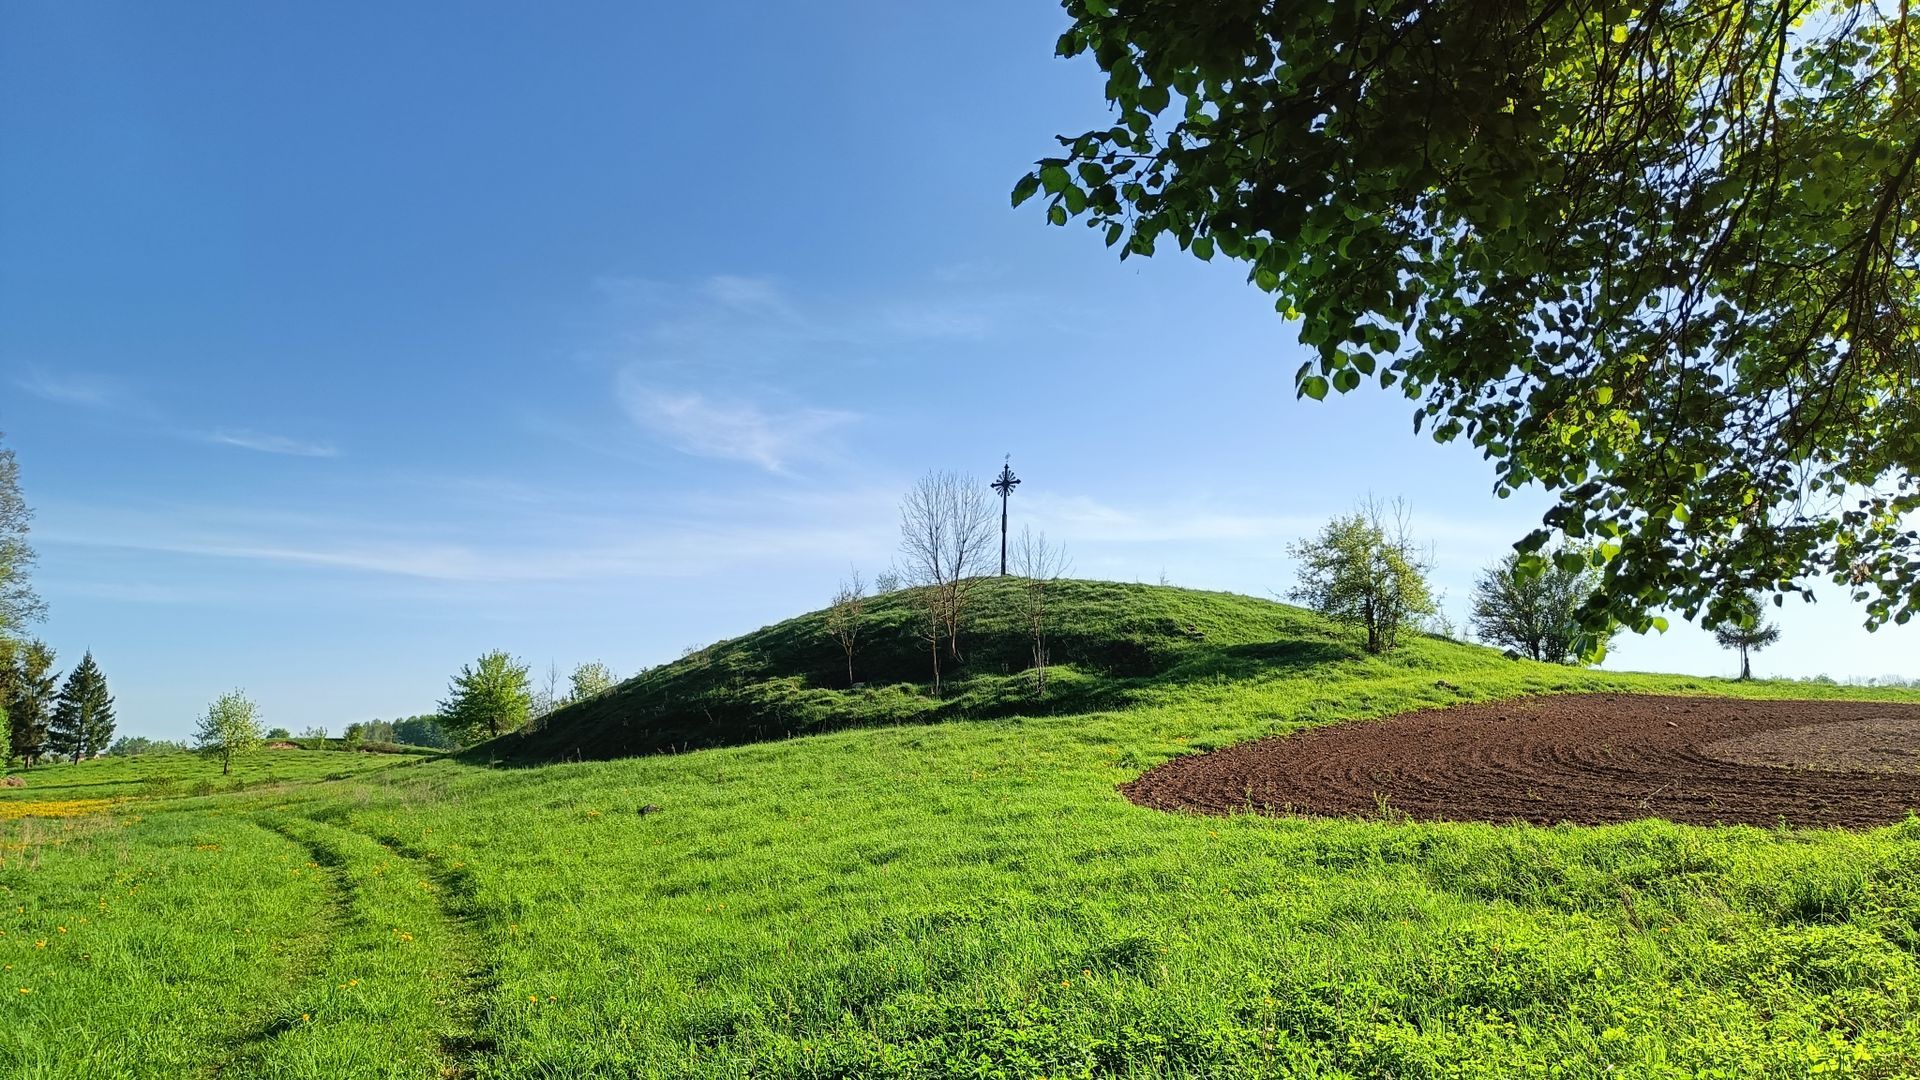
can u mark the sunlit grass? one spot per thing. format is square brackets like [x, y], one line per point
[968, 898]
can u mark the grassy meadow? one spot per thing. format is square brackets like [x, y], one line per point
[878, 883]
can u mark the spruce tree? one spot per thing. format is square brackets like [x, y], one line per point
[82, 722]
[1747, 631]
[27, 689]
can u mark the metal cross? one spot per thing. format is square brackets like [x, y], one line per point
[1005, 485]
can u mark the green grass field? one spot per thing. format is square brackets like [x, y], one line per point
[892, 885]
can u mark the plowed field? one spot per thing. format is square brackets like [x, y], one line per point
[1586, 758]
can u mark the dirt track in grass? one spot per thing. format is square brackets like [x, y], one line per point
[1584, 758]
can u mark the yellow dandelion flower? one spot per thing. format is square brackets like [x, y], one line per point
[26, 990]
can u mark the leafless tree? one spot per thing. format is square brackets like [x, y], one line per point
[946, 536]
[932, 625]
[844, 616]
[547, 697]
[1039, 565]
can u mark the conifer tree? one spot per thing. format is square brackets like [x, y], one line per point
[82, 721]
[27, 690]
[1746, 631]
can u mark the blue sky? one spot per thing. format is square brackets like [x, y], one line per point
[340, 344]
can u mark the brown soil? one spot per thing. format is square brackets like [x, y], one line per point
[1584, 758]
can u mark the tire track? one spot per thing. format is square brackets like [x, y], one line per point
[391, 997]
[471, 1008]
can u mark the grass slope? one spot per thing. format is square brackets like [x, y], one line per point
[968, 899]
[1111, 644]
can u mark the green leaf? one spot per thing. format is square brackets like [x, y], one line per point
[1203, 247]
[1025, 189]
[1315, 387]
[1054, 178]
[1056, 214]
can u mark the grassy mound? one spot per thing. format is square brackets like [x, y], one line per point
[944, 901]
[1110, 642]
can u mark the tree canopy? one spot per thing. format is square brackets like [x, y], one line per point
[1662, 260]
[1363, 569]
[19, 604]
[488, 698]
[1534, 614]
[230, 727]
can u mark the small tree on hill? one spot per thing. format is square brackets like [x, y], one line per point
[946, 535]
[230, 727]
[1363, 570]
[590, 680]
[82, 721]
[489, 698]
[547, 696]
[1746, 629]
[1533, 609]
[844, 617]
[929, 608]
[1039, 565]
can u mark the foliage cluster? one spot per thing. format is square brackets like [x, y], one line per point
[229, 728]
[1535, 611]
[1363, 570]
[1657, 259]
[487, 698]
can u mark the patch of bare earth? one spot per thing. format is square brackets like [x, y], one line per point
[1583, 758]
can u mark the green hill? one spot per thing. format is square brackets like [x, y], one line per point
[971, 899]
[1111, 644]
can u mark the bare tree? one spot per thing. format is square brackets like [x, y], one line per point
[844, 615]
[1039, 564]
[946, 533]
[547, 697]
[932, 625]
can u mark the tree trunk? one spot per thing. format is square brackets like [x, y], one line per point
[936, 665]
[1746, 669]
[849, 669]
[226, 763]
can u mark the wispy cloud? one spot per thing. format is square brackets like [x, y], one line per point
[729, 429]
[447, 546]
[733, 367]
[271, 444]
[110, 394]
[86, 391]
